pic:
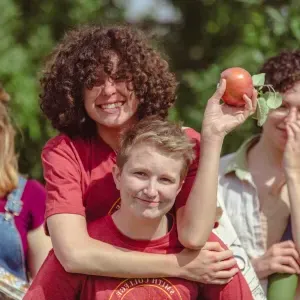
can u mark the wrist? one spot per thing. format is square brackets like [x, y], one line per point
[211, 139]
[257, 266]
[292, 175]
[174, 269]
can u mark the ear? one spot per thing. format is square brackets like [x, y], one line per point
[180, 187]
[116, 172]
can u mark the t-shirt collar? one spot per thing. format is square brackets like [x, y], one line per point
[238, 164]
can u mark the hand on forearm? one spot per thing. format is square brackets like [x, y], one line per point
[279, 258]
[293, 186]
[210, 265]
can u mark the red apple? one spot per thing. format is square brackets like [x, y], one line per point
[238, 83]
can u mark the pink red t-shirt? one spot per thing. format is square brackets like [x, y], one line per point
[33, 211]
[79, 179]
[54, 283]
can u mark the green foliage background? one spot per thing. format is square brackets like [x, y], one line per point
[206, 37]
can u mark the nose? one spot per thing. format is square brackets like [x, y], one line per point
[291, 115]
[151, 189]
[109, 88]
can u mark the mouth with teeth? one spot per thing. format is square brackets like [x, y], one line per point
[111, 107]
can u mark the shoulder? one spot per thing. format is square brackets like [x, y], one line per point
[61, 149]
[195, 138]
[97, 229]
[58, 141]
[34, 190]
[63, 141]
[224, 162]
[33, 187]
[192, 133]
[34, 199]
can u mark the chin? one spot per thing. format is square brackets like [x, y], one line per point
[149, 214]
[114, 122]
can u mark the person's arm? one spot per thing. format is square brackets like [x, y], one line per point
[293, 184]
[291, 163]
[39, 246]
[79, 253]
[196, 218]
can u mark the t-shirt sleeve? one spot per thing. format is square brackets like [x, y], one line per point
[53, 283]
[62, 174]
[35, 194]
[190, 177]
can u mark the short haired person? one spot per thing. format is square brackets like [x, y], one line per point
[150, 169]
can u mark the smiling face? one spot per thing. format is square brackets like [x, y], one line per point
[274, 130]
[110, 103]
[149, 182]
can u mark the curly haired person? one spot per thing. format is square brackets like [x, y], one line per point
[260, 183]
[98, 81]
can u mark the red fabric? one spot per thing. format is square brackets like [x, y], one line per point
[236, 289]
[33, 210]
[79, 180]
[54, 283]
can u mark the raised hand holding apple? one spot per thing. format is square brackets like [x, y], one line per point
[221, 118]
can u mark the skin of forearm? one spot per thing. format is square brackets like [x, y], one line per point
[293, 185]
[117, 262]
[198, 215]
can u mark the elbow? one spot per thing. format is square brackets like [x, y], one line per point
[70, 260]
[191, 241]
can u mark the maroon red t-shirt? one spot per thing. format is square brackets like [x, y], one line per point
[79, 179]
[33, 210]
[54, 283]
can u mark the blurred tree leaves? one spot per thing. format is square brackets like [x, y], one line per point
[205, 37]
[29, 31]
[226, 34]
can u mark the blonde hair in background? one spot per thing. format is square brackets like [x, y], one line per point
[165, 136]
[8, 157]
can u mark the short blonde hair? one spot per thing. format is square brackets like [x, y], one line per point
[8, 157]
[167, 137]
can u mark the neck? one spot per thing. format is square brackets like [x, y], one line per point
[110, 136]
[139, 228]
[265, 154]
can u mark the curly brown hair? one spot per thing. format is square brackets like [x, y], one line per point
[283, 70]
[79, 58]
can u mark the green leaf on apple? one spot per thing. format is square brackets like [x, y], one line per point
[258, 79]
[262, 111]
[274, 99]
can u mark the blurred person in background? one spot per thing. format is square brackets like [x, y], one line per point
[23, 243]
[260, 183]
[98, 81]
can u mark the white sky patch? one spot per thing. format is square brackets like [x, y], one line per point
[159, 10]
